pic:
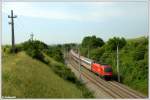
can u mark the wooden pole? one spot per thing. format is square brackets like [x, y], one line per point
[12, 29]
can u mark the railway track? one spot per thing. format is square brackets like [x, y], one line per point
[125, 88]
[113, 88]
[123, 93]
[93, 81]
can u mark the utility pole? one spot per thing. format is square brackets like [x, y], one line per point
[12, 29]
[64, 52]
[118, 63]
[32, 35]
[88, 52]
[79, 65]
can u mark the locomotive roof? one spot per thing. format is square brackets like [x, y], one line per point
[87, 59]
[104, 65]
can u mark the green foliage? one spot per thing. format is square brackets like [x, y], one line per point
[92, 42]
[8, 49]
[55, 52]
[18, 47]
[35, 53]
[133, 60]
[35, 44]
[39, 50]
[89, 43]
[95, 54]
[35, 49]
[25, 77]
[84, 51]
[140, 50]
[64, 72]
[69, 46]
[113, 42]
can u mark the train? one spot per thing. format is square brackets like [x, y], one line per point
[103, 70]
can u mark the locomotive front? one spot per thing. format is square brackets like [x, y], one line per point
[107, 72]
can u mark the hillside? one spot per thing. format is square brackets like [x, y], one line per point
[24, 77]
[134, 64]
[133, 59]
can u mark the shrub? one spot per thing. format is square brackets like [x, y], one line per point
[7, 49]
[35, 53]
[55, 52]
[35, 49]
[66, 74]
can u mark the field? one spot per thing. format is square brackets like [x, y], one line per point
[24, 77]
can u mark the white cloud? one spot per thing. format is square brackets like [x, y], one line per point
[38, 11]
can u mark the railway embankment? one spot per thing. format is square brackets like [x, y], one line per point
[25, 77]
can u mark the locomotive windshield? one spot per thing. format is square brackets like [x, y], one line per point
[108, 70]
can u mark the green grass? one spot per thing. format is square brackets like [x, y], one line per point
[25, 77]
[138, 39]
[64, 72]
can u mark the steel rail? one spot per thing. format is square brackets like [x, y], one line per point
[126, 89]
[100, 86]
[104, 86]
[122, 92]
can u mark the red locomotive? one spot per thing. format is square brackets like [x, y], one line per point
[104, 71]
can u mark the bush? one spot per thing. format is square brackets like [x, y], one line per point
[35, 53]
[66, 74]
[8, 49]
[55, 52]
[35, 49]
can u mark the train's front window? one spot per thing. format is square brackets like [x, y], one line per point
[108, 70]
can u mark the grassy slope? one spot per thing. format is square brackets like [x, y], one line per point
[133, 71]
[23, 77]
[136, 71]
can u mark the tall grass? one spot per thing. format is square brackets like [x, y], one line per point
[25, 77]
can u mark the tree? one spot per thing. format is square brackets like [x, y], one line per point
[97, 53]
[92, 42]
[113, 42]
[35, 49]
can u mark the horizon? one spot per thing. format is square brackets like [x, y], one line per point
[81, 41]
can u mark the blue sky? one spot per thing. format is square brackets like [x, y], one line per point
[65, 22]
